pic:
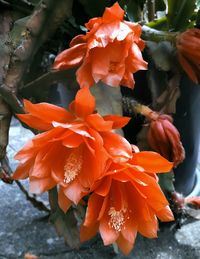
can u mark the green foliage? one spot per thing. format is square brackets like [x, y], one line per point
[160, 5]
[198, 4]
[166, 182]
[133, 9]
[179, 14]
[65, 224]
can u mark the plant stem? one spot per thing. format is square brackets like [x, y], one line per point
[151, 9]
[157, 36]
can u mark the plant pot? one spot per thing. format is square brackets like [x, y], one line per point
[187, 121]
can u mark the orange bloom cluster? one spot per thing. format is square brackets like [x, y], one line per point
[80, 153]
[188, 46]
[128, 200]
[73, 150]
[110, 51]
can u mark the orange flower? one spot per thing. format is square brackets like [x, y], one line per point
[128, 200]
[188, 46]
[164, 138]
[73, 150]
[110, 51]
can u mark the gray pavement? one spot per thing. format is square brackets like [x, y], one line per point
[25, 229]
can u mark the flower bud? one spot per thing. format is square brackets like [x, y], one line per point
[164, 138]
[188, 47]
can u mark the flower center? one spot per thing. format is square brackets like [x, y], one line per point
[117, 218]
[72, 167]
[112, 66]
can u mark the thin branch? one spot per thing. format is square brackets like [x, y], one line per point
[37, 204]
[36, 31]
[5, 176]
[51, 77]
[11, 99]
[5, 171]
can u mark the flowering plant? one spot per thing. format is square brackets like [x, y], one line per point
[85, 154]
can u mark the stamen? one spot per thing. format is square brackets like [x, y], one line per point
[117, 218]
[72, 167]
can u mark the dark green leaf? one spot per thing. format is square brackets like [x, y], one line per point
[65, 224]
[166, 182]
[179, 13]
[133, 10]
[198, 4]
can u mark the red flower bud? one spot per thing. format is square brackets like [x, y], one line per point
[188, 47]
[178, 200]
[164, 138]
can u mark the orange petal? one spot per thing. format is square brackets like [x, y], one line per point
[26, 153]
[188, 68]
[114, 78]
[117, 146]
[87, 233]
[92, 22]
[72, 141]
[70, 57]
[84, 75]
[98, 123]
[77, 40]
[124, 245]
[63, 202]
[113, 13]
[74, 191]
[77, 128]
[108, 234]
[40, 168]
[100, 63]
[165, 214]
[104, 187]
[136, 59]
[94, 205]
[48, 112]
[22, 171]
[118, 121]
[38, 186]
[129, 231]
[92, 167]
[148, 228]
[152, 162]
[84, 103]
[104, 207]
[34, 122]
[128, 80]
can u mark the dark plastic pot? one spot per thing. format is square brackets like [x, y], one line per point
[187, 121]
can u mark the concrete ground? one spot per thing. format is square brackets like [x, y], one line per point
[25, 229]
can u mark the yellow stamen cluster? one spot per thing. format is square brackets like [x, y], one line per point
[117, 219]
[72, 167]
